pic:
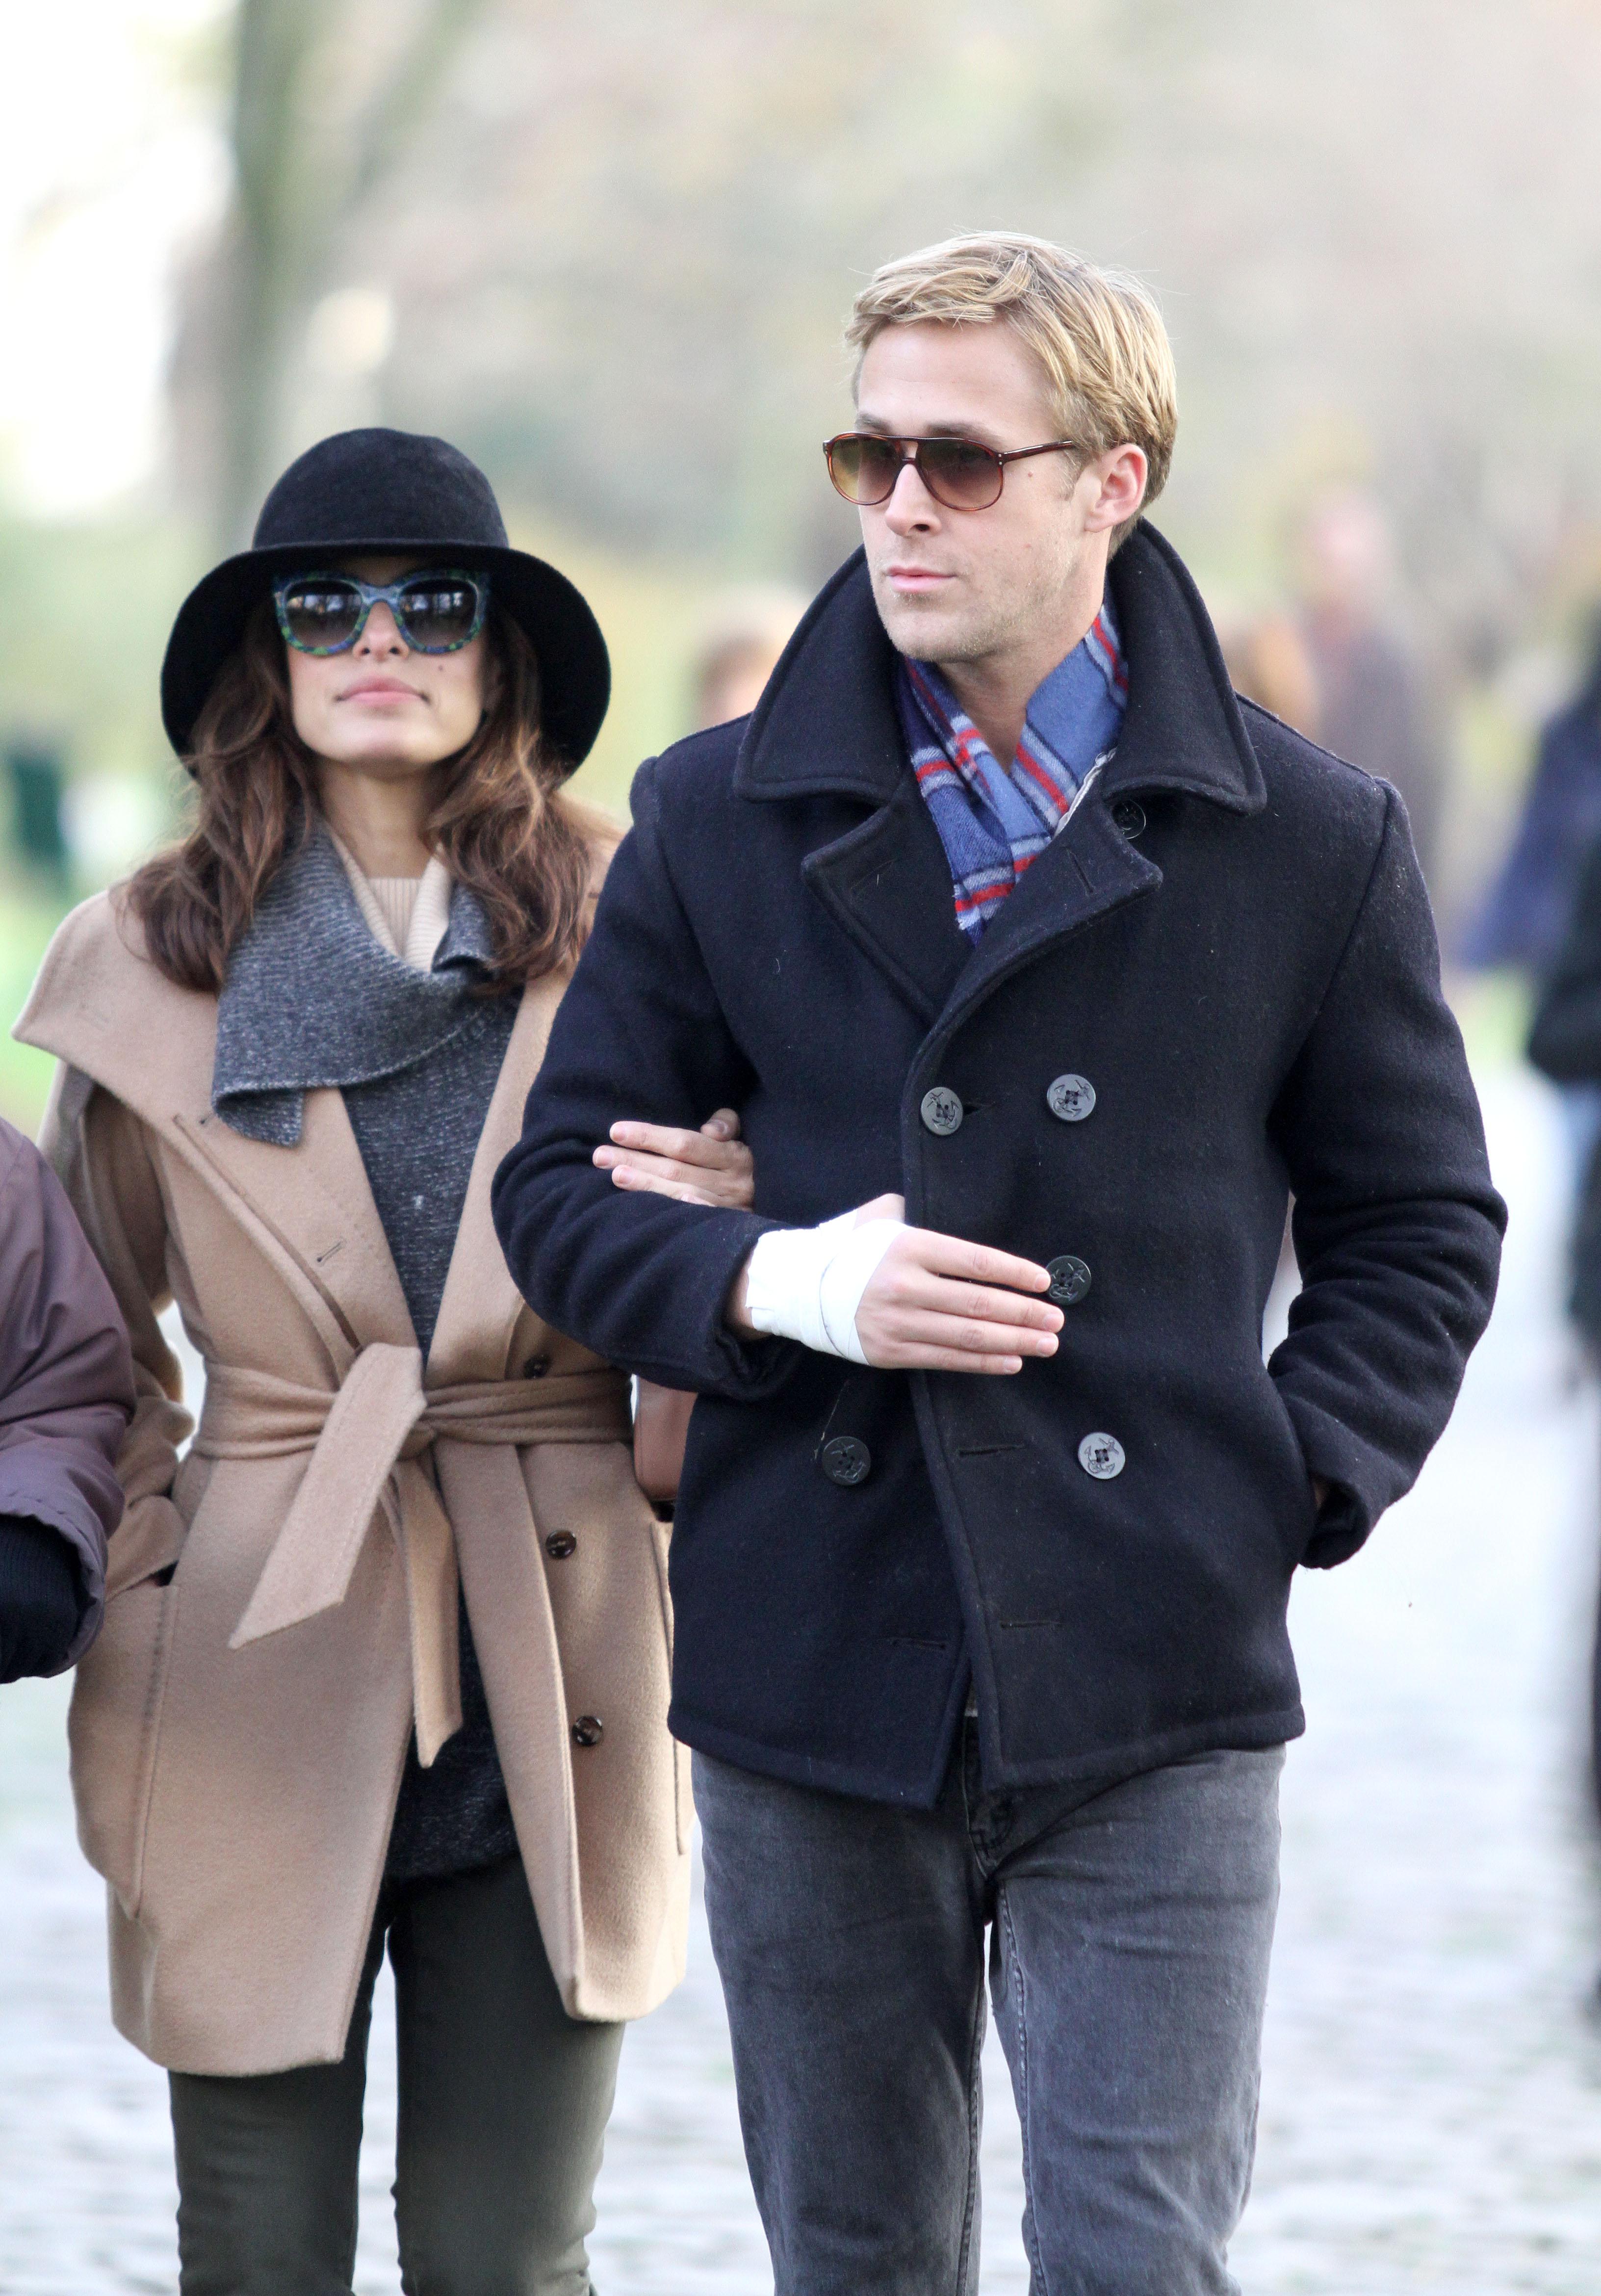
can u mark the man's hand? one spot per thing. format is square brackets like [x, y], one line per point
[712, 1166]
[937, 1303]
[41, 1598]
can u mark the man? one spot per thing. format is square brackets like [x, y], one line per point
[991, 1508]
[1372, 706]
[66, 1397]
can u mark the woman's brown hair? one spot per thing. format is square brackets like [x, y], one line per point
[501, 825]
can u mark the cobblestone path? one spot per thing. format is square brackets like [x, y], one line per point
[1432, 2093]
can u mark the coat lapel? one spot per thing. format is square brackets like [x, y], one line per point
[481, 1304]
[1089, 870]
[888, 884]
[101, 1006]
[828, 725]
[315, 1199]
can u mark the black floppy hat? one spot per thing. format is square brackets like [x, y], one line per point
[393, 491]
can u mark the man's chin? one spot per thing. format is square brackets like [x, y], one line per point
[926, 628]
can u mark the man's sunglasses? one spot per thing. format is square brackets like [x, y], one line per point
[958, 472]
[436, 610]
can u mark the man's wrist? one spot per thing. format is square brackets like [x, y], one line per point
[736, 1312]
[805, 1283]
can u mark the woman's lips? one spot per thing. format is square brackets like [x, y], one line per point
[380, 689]
[916, 578]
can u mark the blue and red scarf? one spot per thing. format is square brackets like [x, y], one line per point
[992, 824]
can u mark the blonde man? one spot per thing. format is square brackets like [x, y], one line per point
[1037, 966]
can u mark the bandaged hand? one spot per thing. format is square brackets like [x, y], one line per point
[867, 1288]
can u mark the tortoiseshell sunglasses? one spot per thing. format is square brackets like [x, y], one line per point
[436, 610]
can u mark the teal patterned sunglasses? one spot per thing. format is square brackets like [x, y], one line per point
[437, 610]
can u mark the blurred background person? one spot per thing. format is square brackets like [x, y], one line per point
[1524, 919]
[743, 633]
[1566, 1044]
[1268, 660]
[1372, 704]
[1532, 921]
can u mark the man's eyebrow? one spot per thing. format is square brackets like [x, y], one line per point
[962, 427]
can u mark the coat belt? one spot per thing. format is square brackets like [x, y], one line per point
[367, 1440]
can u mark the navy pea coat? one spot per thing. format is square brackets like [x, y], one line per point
[1231, 943]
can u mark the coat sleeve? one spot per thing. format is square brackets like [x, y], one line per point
[641, 1279]
[1566, 1040]
[1396, 1225]
[65, 1379]
[100, 1151]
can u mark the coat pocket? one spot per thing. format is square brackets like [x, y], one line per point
[116, 1713]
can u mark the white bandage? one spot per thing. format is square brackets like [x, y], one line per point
[806, 1283]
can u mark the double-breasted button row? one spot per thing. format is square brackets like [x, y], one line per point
[1070, 1097]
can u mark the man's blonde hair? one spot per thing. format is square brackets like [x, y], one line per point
[1096, 333]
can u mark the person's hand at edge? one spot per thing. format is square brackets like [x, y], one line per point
[41, 1598]
[711, 1167]
[939, 1303]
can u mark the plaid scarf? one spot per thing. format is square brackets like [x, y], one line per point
[992, 823]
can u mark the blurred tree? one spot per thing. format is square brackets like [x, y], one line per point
[319, 119]
[618, 242]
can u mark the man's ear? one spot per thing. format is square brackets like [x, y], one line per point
[1123, 472]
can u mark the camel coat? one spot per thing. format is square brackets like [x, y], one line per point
[281, 1596]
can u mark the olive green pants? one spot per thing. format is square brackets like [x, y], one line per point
[504, 2105]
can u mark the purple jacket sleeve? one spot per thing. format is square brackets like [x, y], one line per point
[66, 1374]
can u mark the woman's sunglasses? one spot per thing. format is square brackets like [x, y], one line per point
[437, 610]
[958, 472]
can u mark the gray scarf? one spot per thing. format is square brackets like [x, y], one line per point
[312, 997]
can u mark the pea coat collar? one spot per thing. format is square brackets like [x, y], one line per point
[827, 723]
[827, 726]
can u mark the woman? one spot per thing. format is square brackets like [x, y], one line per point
[386, 1652]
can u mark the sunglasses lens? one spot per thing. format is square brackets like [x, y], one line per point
[864, 470]
[959, 474]
[440, 612]
[321, 616]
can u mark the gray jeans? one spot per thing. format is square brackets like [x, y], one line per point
[1130, 1936]
[503, 2104]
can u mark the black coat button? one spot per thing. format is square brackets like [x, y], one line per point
[846, 1460]
[1128, 815]
[942, 1110]
[536, 1366]
[1101, 1454]
[588, 1730]
[1070, 1279]
[1070, 1097]
[559, 1545]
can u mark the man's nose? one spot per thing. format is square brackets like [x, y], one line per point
[911, 505]
[381, 634]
